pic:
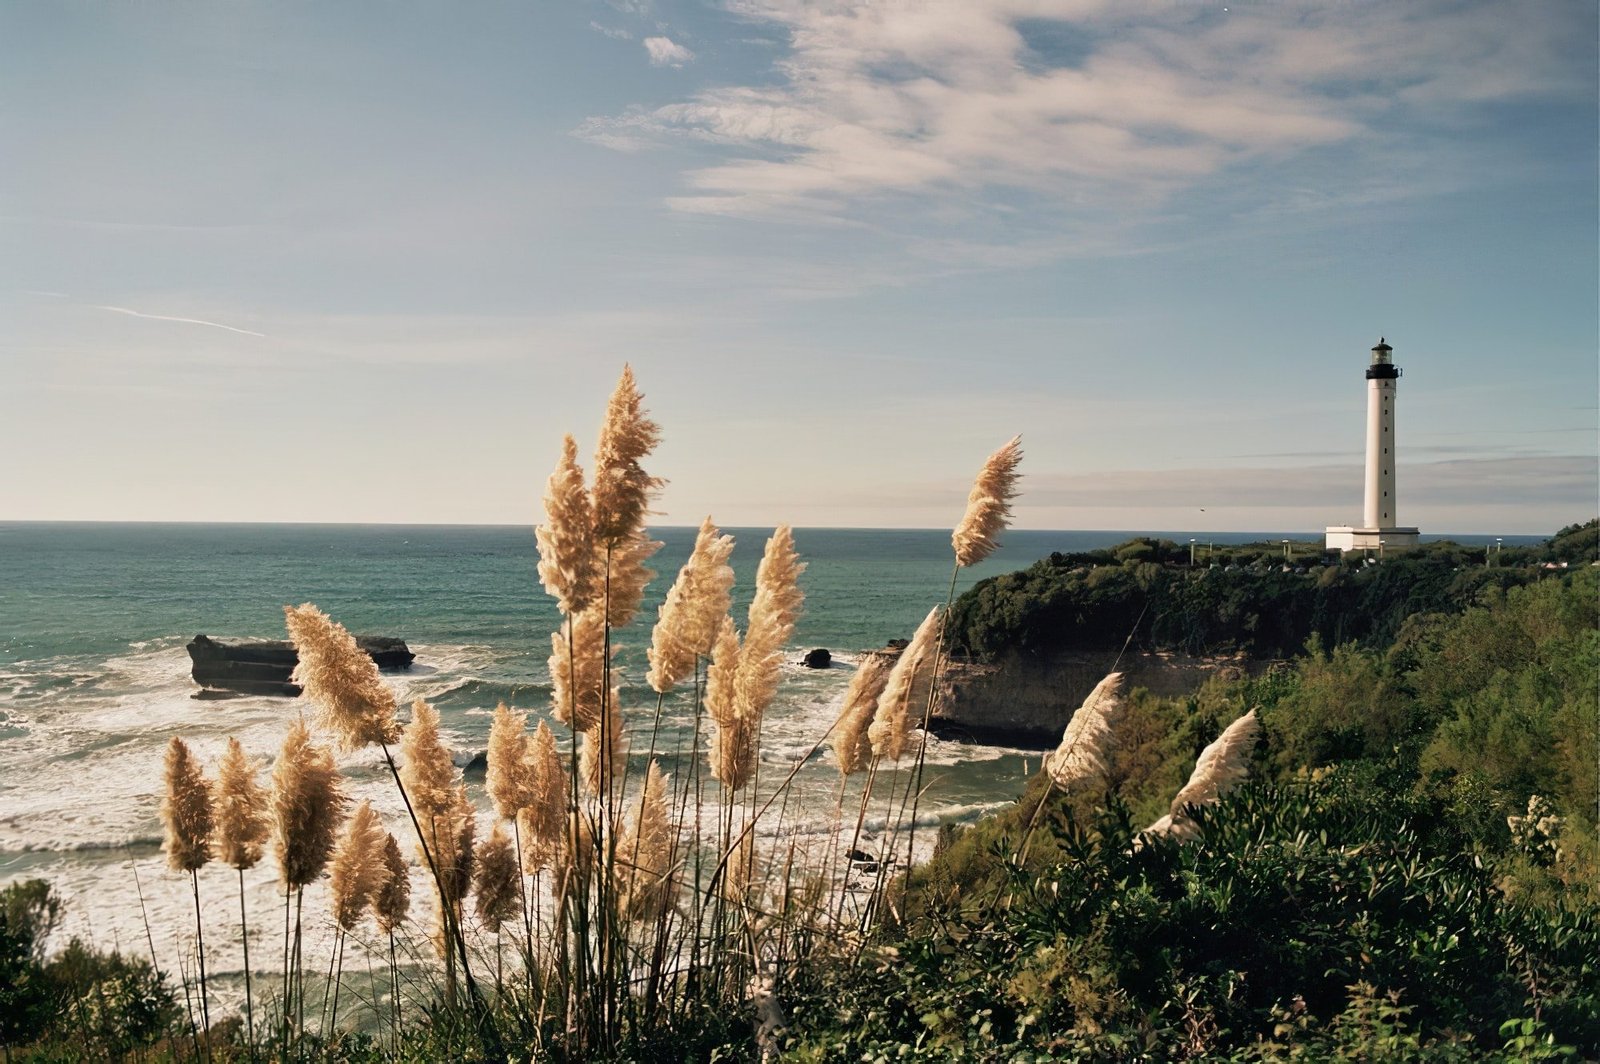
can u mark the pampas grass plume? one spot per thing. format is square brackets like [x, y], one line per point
[627, 576]
[1087, 741]
[646, 850]
[566, 539]
[185, 810]
[733, 752]
[988, 506]
[307, 807]
[499, 883]
[1222, 766]
[850, 743]
[622, 489]
[773, 613]
[242, 825]
[578, 670]
[693, 611]
[603, 755]
[359, 872]
[393, 899]
[341, 680]
[509, 779]
[543, 820]
[905, 692]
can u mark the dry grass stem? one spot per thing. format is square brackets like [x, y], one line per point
[899, 711]
[566, 539]
[1087, 741]
[341, 680]
[988, 506]
[307, 807]
[242, 825]
[693, 610]
[578, 670]
[1222, 766]
[359, 872]
[185, 810]
[622, 489]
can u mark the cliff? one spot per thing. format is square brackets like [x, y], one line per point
[1027, 701]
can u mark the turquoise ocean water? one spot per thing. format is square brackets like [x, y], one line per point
[94, 679]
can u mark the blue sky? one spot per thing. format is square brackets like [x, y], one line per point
[368, 262]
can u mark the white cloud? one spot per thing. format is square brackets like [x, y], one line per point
[615, 33]
[665, 52]
[955, 97]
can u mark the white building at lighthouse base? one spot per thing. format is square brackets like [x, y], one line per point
[1348, 538]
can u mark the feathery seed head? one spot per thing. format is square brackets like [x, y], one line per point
[340, 679]
[988, 506]
[906, 692]
[242, 824]
[645, 850]
[359, 871]
[499, 883]
[1081, 757]
[603, 755]
[393, 900]
[622, 489]
[578, 670]
[851, 745]
[186, 810]
[733, 737]
[1222, 766]
[566, 539]
[307, 807]
[427, 771]
[543, 820]
[508, 779]
[627, 576]
[693, 610]
[773, 613]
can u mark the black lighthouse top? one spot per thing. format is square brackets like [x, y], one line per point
[1381, 368]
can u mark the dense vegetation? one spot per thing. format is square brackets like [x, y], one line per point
[1411, 875]
[1412, 872]
[1248, 599]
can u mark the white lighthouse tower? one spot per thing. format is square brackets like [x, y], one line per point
[1379, 529]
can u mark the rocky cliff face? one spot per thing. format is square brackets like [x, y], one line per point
[1026, 702]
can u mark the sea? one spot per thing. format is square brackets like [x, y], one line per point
[94, 681]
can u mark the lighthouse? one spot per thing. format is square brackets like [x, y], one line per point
[1380, 529]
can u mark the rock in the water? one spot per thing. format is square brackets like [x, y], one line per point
[263, 666]
[818, 659]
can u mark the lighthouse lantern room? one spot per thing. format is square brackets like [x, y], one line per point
[1379, 529]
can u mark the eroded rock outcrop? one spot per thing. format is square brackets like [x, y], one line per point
[1026, 702]
[263, 666]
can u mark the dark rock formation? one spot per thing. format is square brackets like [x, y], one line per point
[262, 667]
[1026, 702]
[818, 659]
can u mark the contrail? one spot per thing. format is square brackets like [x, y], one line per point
[184, 321]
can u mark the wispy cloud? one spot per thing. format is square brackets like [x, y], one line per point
[666, 52]
[616, 33]
[960, 96]
[182, 321]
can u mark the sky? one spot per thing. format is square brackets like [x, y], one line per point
[371, 261]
